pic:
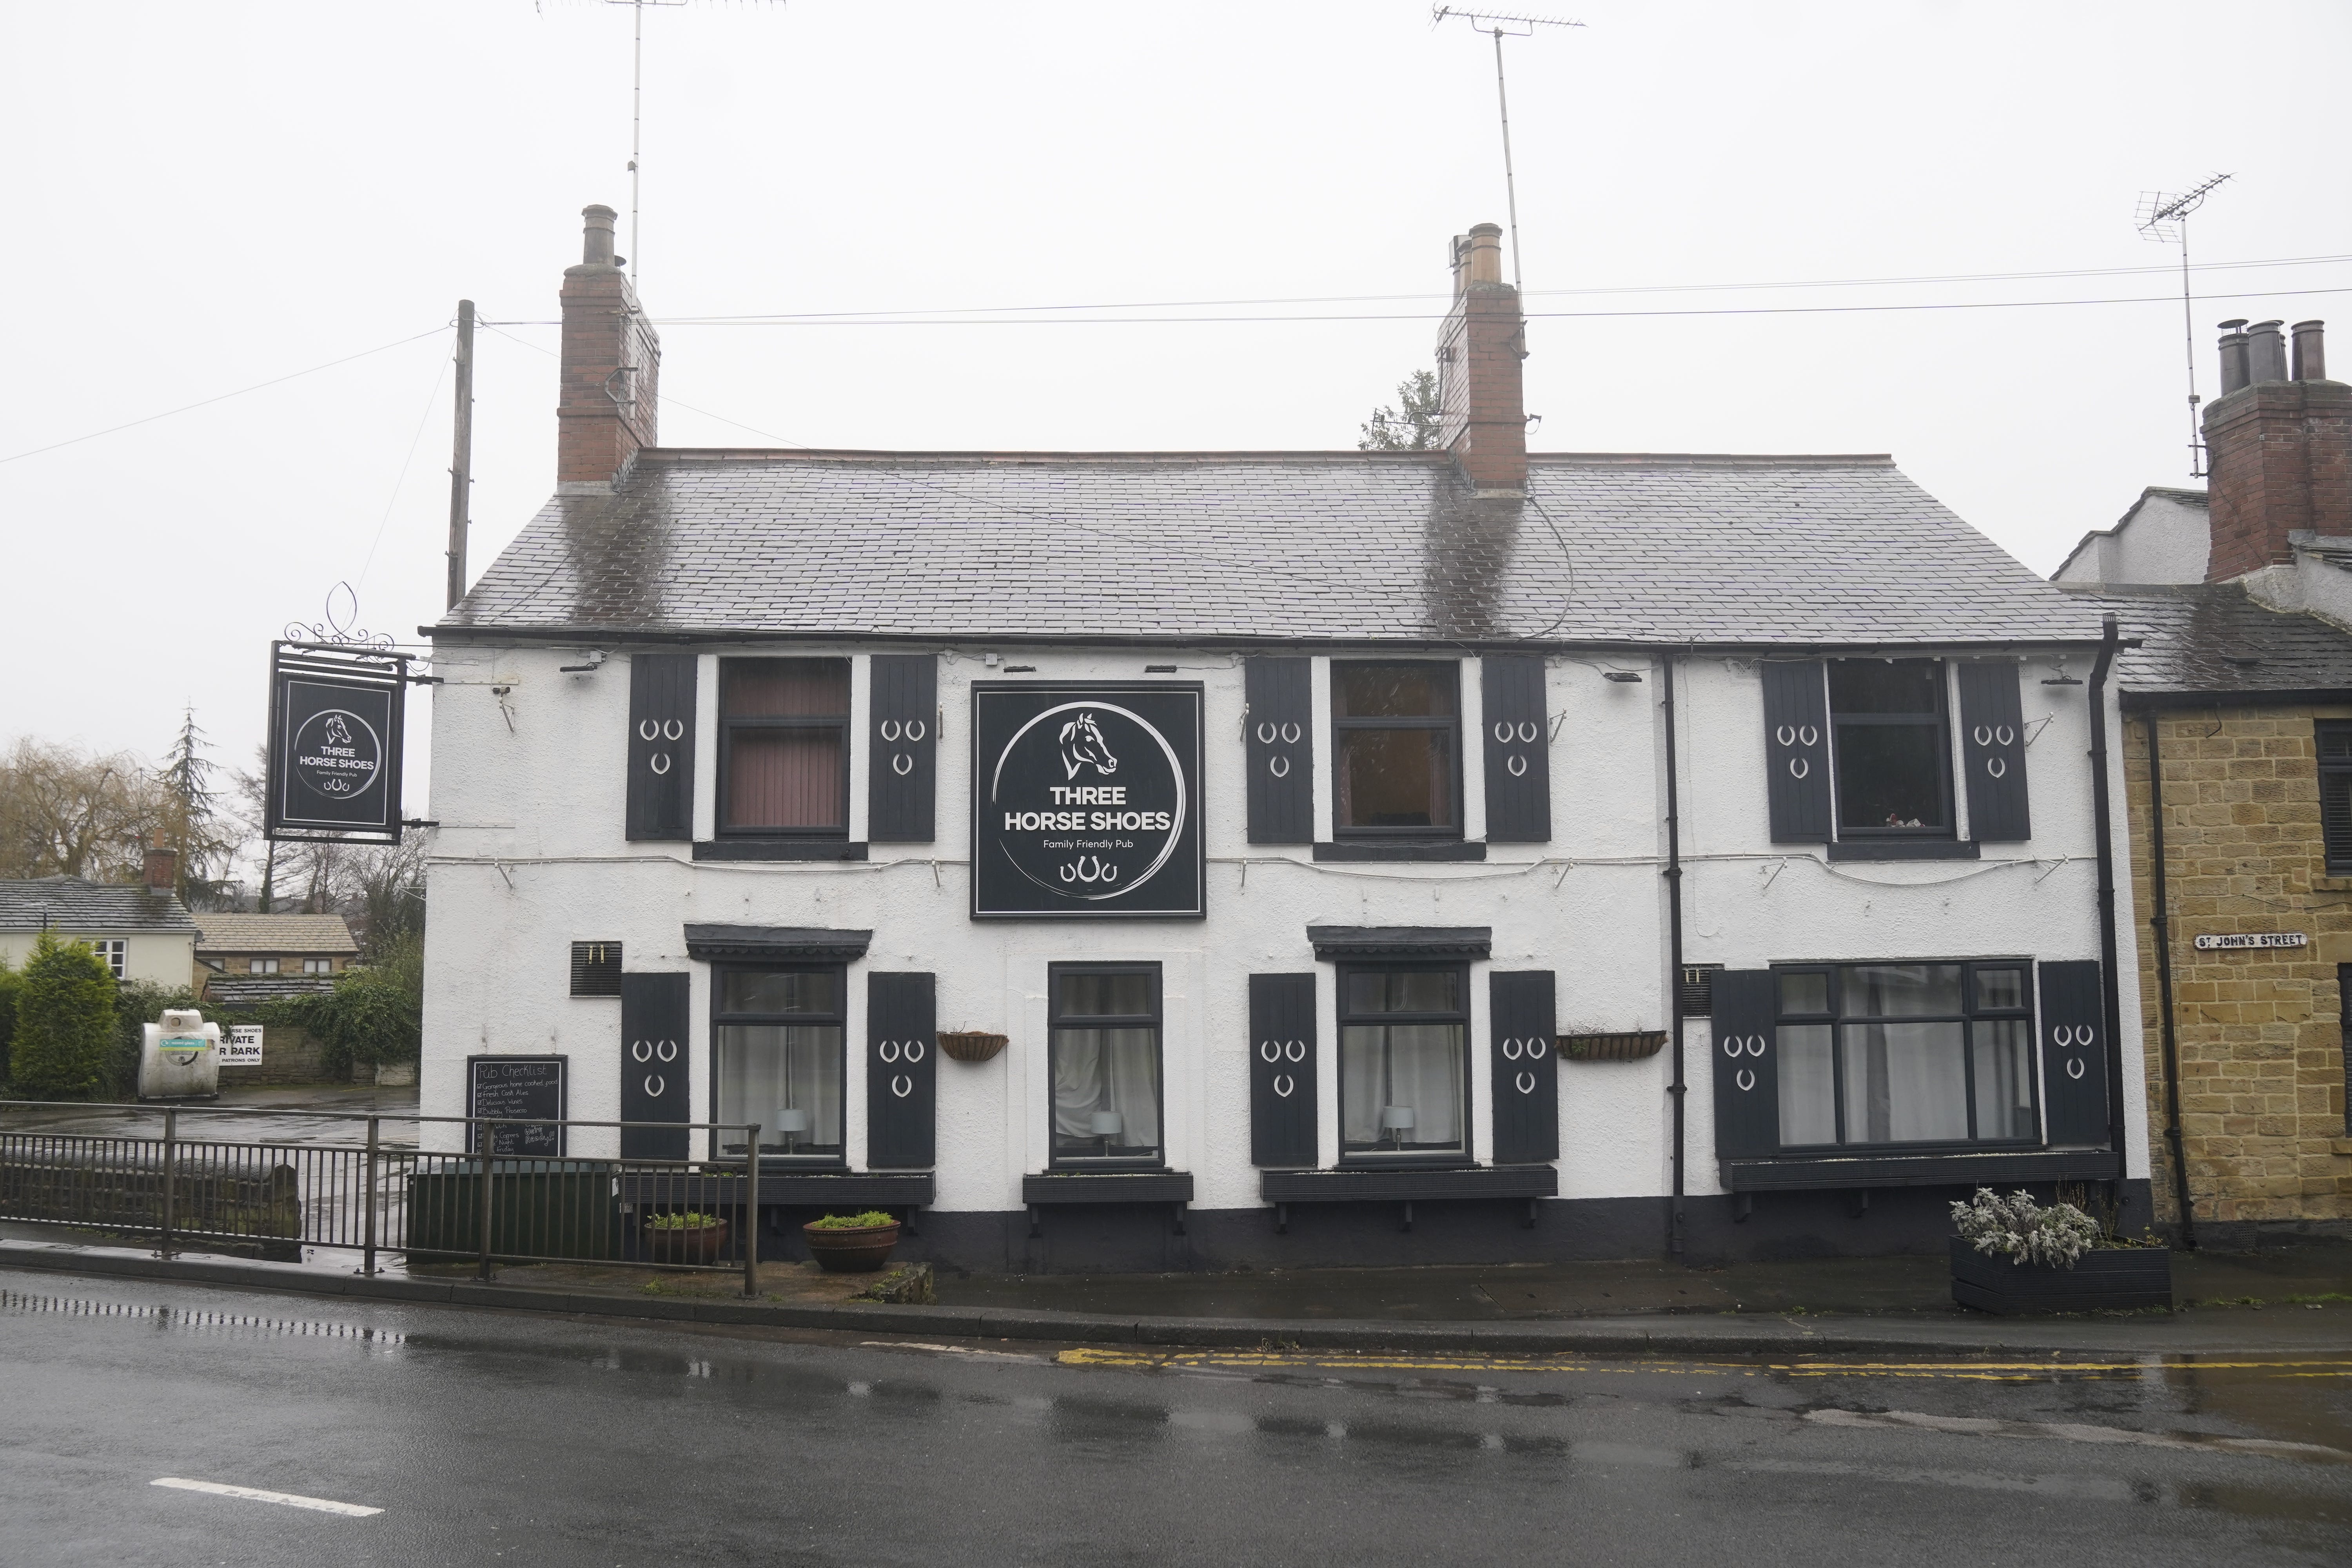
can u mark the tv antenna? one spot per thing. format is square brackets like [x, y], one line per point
[1502, 27]
[636, 114]
[2164, 220]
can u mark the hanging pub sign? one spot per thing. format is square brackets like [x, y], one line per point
[1087, 800]
[334, 743]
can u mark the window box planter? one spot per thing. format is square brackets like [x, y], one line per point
[851, 1249]
[2105, 1280]
[1626, 1045]
[971, 1045]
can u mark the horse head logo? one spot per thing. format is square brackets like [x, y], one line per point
[337, 732]
[1083, 745]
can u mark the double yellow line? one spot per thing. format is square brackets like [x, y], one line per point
[1344, 1361]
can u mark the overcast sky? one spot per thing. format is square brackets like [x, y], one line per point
[208, 196]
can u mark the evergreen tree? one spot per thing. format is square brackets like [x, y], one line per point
[65, 1018]
[1412, 425]
[192, 820]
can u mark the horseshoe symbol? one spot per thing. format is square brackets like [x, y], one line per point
[2005, 735]
[1785, 735]
[1756, 1044]
[1745, 1080]
[1271, 1050]
[1284, 1085]
[1798, 767]
[1525, 1083]
[902, 1085]
[1510, 1050]
[674, 730]
[1808, 735]
[642, 1051]
[1295, 1050]
[1503, 732]
[1996, 767]
[655, 1084]
[1537, 1047]
[892, 729]
[2075, 1066]
[649, 730]
[1527, 732]
[1731, 1047]
[1290, 733]
[913, 1050]
[902, 764]
[1265, 735]
[1516, 767]
[666, 1050]
[1983, 734]
[887, 1050]
[660, 762]
[1278, 766]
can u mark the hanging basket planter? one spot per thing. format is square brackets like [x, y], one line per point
[1628, 1046]
[971, 1045]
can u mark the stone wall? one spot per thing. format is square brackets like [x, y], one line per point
[2261, 1050]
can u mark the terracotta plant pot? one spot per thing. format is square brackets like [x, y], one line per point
[2105, 1280]
[971, 1045]
[841, 1250]
[702, 1244]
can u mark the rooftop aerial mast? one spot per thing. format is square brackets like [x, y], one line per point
[1503, 26]
[2164, 220]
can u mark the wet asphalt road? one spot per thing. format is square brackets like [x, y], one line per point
[497, 1437]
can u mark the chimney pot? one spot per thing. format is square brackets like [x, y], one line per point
[2266, 352]
[596, 239]
[1482, 406]
[2310, 351]
[2233, 357]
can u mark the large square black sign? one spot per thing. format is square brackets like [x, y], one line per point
[1085, 800]
[334, 746]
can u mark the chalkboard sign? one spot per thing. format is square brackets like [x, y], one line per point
[527, 1089]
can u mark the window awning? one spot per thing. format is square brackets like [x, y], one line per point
[775, 943]
[1401, 942]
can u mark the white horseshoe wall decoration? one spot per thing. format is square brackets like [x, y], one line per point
[1516, 767]
[1525, 1083]
[1510, 1050]
[2074, 1067]
[1271, 1050]
[1996, 767]
[1536, 1048]
[1290, 733]
[892, 729]
[1278, 766]
[674, 730]
[1284, 1085]
[1745, 1078]
[660, 762]
[1528, 731]
[887, 1050]
[649, 730]
[902, 1085]
[1265, 732]
[1503, 732]
[913, 1051]
[1983, 734]
[641, 1050]
[1799, 768]
[655, 1084]
[1295, 1050]
[901, 763]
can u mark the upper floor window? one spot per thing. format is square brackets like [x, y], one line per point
[1104, 1064]
[2333, 740]
[115, 952]
[783, 746]
[317, 966]
[1893, 744]
[1403, 1062]
[1907, 1053]
[1396, 756]
[261, 966]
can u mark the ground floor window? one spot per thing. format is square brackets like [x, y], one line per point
[1907, 1053]
[115, 954]
[1105, 1032]
[777, 1059]
[1403, 1061]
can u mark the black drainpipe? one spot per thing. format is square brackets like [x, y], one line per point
[1674, 875]
[2102, 819]
[2160, 923]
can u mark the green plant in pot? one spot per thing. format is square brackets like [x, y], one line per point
[685, 1235]
[2014, 1255]
[853, 1242]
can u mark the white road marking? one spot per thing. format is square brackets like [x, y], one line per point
[254, 1494]
[2073, 1432]
[947, 1350]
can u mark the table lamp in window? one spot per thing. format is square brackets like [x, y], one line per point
[790, 1125]
[1108, 1125]
[1396, 1120]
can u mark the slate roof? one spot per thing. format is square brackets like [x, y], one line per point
[73, 905]
[265, 935]
[1262, 548]
[2215, 638]
[251, 990]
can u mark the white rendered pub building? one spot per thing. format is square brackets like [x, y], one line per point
[1461, 855]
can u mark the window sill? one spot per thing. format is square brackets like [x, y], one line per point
[1173, 1188]
[778, 849]
[1408, 1183]
[2331, 884]
[1799, 1172]
[1906, 849]
[1401, 849]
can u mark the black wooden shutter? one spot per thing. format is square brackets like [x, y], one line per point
[655, 1068]
[1282, 1069]
[1280, 750]
[1527, 1068]
[2073, 1056]
[1992, 752]
[902, 1059]
[661, 745]
[1746, 1085]
[1797, 751]
[1519, 749]
[902, 749]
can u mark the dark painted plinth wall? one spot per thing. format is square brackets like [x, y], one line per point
[1108, 1239]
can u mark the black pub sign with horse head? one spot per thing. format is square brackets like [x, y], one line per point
[1087, 800]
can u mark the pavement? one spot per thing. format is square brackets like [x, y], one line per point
[159, 1422]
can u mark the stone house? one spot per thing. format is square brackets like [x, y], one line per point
[2238, 766]
[239, 956]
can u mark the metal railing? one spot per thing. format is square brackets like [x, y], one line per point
[364, 1194]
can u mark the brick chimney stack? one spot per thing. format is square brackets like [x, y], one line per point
[1482, 409]
[611, 368]
[163, 867]
[2279, 448]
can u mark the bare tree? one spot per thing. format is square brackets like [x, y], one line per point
[67, 812]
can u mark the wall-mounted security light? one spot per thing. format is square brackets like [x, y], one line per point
[1623, 677]
[595, 662]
